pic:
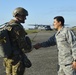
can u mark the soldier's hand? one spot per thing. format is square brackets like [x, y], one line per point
[74, 65]
[37, 46]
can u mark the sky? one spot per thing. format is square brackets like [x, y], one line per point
[40, 11]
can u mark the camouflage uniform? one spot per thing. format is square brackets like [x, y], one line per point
[14, 64]
[66, 43]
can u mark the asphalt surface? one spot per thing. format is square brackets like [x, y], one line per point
[44, 60]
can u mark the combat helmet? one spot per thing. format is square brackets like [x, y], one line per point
[20, 11]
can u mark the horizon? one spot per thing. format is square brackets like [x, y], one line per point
[40, 12]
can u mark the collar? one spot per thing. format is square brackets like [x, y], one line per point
[59, 31]
[13, 21]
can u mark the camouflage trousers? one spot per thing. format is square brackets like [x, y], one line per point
[17, 69]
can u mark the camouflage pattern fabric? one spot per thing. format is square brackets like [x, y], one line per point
[16, 69]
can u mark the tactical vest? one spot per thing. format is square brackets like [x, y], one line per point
[22, 38]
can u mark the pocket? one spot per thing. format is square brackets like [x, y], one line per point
[69, 68]
[7, 62]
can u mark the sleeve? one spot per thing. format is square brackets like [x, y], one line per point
[50, 42]
[72, 41]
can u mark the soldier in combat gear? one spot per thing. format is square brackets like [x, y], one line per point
[14, 63]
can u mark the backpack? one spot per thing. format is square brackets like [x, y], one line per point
[5, 45]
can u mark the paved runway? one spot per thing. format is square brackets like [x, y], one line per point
[44, 60]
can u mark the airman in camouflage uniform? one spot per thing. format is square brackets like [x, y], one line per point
[14, 64]
[66, 43]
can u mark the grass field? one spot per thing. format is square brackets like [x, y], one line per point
[74, 29]
[32, 31]
[36, 30]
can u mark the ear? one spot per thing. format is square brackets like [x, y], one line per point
[60, 22]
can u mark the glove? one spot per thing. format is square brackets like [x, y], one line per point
[74, 65]
[37, 46]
